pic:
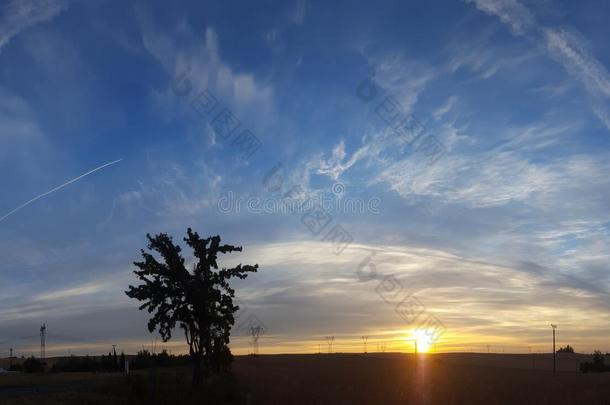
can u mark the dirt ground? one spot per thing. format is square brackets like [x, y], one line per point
[339, 379]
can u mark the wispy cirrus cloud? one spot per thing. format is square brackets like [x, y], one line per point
[200, 60]
[511, 12]
[566, 45]
[573, 51]
[17, 15]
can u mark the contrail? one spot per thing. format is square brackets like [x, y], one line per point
[58, 188]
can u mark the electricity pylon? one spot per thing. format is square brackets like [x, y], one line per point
[329, 341]
[364, 339]
[255, 332]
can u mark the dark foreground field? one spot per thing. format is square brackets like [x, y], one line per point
[331, 379]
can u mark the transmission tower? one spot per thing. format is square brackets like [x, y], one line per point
[43, 332]
[329, 341]
[11, 359]
[255, 332]
[364, 339]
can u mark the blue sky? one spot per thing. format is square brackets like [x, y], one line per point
[502, 234]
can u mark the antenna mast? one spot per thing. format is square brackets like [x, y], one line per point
[554, 352]
[43, 332]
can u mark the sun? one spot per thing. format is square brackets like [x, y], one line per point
[423, 340]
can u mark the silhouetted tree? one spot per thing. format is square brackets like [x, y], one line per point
[567, 349]
[221, 357]
[597, 365]
[115, 362]
[200, 301]
[109, 365]
[122, 362]
[76, 364]
[32, 365]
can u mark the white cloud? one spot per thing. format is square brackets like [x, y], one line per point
[179, 191]
[337, 163]
[572, 50]
[497, 178]
[445, 108]
[298, 16]
[85, 289]
[466, 293]
[18, 15]
[21, 136]
[480, 57]
[511, 12]
[401, 78]
[201, 61]
[566, 45]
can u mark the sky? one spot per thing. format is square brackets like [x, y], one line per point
[449, 162]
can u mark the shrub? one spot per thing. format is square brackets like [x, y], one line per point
[596, 366]
[33, 365]
[75, 364]
[567, 349]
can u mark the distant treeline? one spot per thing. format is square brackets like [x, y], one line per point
[597, 365]
[29, 365]
[114, 363]
[109, 363]
[105, 363]
[145, 359]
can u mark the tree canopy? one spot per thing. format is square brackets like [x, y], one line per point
[199, 300]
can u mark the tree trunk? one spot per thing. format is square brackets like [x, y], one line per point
[197, 370]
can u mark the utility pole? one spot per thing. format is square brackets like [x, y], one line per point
[10, 359]
[554, 352]
[43, 332]
[364, 339]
